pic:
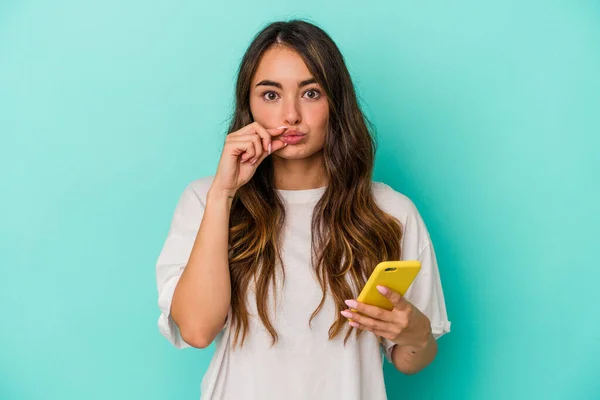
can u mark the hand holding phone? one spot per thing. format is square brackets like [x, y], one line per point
[390, 315]
[396, 275]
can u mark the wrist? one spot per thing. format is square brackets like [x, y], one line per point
[422, 344]
[415, 345]
[218, 194]
[418, 339]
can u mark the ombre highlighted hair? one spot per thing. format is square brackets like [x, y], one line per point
[350, 233]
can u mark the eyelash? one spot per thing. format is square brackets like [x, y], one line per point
[309, 90]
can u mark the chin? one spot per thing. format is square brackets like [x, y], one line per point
[294, 156]
[292, 152]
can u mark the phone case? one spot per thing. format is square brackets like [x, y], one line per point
[396, 275]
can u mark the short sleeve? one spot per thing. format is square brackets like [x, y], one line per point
[174, 257]
[427, 295]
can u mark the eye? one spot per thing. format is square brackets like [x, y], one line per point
[269, 96]
[313, 94]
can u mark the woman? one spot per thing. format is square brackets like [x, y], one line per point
[267, 257]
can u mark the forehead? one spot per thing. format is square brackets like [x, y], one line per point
[281, 64]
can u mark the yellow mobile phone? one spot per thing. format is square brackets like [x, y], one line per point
[396, 275]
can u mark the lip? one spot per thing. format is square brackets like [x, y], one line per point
[293, 137]
[293, 133]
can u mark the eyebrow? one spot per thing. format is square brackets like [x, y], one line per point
[267, 82]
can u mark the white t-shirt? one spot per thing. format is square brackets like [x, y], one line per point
[304, 363]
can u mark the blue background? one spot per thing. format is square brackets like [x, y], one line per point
[487, 117]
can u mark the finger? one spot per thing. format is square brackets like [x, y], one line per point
[371, 311]
[265, 134]
[368, 322]
[277, 131]
[277, 145]
[258, 150]
[394, 297]
[384, 334]
[250, 137]
[267, 138]
[273, 147]
[244, 148]
[255, 126]
[259, 153]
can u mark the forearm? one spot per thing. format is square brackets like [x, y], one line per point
[410, 360]
[203, 294]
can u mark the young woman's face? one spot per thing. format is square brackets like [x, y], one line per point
[284, 93]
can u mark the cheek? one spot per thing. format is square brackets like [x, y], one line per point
[323, 123]
[319, 119]
[319, 116]
[259, 111]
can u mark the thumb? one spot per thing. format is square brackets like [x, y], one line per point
[274, 146]
[277, 145]
[394, 297]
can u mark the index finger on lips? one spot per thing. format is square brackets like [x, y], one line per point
[276, 132]
[266, 134]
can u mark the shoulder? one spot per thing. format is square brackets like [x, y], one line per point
[192, 198]
[392, 201]
[415, 233]
[199, 188]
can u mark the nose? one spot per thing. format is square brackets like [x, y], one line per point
[291, 112]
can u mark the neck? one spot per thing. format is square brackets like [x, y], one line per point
[307, 173]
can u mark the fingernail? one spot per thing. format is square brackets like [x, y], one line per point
[354, 324]
[351, 303]
[346, 314]
[269, 148]
[382, 289]
[254, 162]
[285, 144]
[281, 127]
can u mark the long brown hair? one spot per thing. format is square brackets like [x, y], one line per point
[350, 233]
